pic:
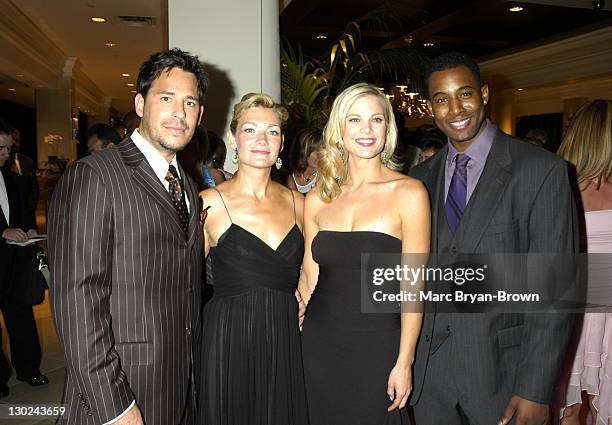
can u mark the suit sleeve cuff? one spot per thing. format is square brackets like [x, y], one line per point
[121, 415]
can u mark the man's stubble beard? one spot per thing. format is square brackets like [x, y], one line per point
[157, 140]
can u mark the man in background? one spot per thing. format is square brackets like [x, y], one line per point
[25, 166]
[101, 136]
[17, 223]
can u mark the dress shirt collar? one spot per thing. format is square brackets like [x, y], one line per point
[4, 201]
[154, 158]
[479, 149]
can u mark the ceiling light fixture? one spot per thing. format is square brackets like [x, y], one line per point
[516, 9]
[110, 44]
[12, 89]
[130, 84]
[519, 89]
[98, 19]
[321, 37]
[428, 44]
[133, 91]
[126, 75]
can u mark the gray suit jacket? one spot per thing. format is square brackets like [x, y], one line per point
[125, 288]
[523, 203]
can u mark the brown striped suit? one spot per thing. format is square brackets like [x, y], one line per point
[125, 288]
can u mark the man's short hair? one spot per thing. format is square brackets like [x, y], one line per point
[105, 133]
[167, 60]
[5, 127]
[452, 60]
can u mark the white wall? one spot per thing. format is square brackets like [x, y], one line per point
[238, 41]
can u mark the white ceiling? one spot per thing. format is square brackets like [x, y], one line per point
[67, 23]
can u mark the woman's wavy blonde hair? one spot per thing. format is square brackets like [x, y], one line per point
[332, 168]
[588, 142]
[255, 100]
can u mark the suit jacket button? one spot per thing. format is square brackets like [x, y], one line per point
[188, 331]
[454, 250]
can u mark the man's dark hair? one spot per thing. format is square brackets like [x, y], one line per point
[5, 127]
[105, 133]
[451, 60]
[167, 60]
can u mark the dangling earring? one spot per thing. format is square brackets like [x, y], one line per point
[279, 163]
[384, 157]
[235, 156]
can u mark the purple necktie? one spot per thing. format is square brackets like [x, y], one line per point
[456, 199]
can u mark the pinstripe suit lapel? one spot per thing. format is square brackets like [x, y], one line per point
[145, 177]
[194, 202]
[486, 196]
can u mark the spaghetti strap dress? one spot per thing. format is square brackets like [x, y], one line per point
[251, 361]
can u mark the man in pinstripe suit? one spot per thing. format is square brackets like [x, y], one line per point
[125, 253]
[490, 193]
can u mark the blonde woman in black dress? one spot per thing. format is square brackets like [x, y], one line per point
[251, 362]
[358, 366]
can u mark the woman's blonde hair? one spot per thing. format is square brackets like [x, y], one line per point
[332, 168]
[255, 100]
[588, 142]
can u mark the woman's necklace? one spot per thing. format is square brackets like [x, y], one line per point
[307, 179]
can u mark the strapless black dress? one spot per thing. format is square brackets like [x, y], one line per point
[348, 355]
[251, 366]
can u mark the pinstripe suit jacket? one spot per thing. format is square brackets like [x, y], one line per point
[523, 203]
[125, 288]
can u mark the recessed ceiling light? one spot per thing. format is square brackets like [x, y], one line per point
[126, 75]
[110, 44]
[133, 91]
[98, 19]
[321, 37]
[12, 89]
[520, 89]
[516, 9]
[428, 44]
[130, 84]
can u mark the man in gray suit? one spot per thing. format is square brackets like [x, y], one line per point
[490, 193]
[125, 254]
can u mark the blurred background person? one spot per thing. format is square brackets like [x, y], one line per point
[251, 358]
[537, 137]
[588, 146]
[195, 159]
[17, 224]
[25, 166]
[131, 121]
[101, 136]
[431, 141]
[304, 159]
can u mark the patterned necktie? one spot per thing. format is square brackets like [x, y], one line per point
[456, 199]
[178, 196]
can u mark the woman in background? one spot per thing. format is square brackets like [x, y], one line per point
[304, 155]
[251, 360]
[588, 146]
[358, 366]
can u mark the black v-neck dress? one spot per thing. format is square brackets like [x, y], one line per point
[251, 366]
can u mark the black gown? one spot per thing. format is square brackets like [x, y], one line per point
[348, 355]
[252, 370]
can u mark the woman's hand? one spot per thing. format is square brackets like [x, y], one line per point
[399, 386]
